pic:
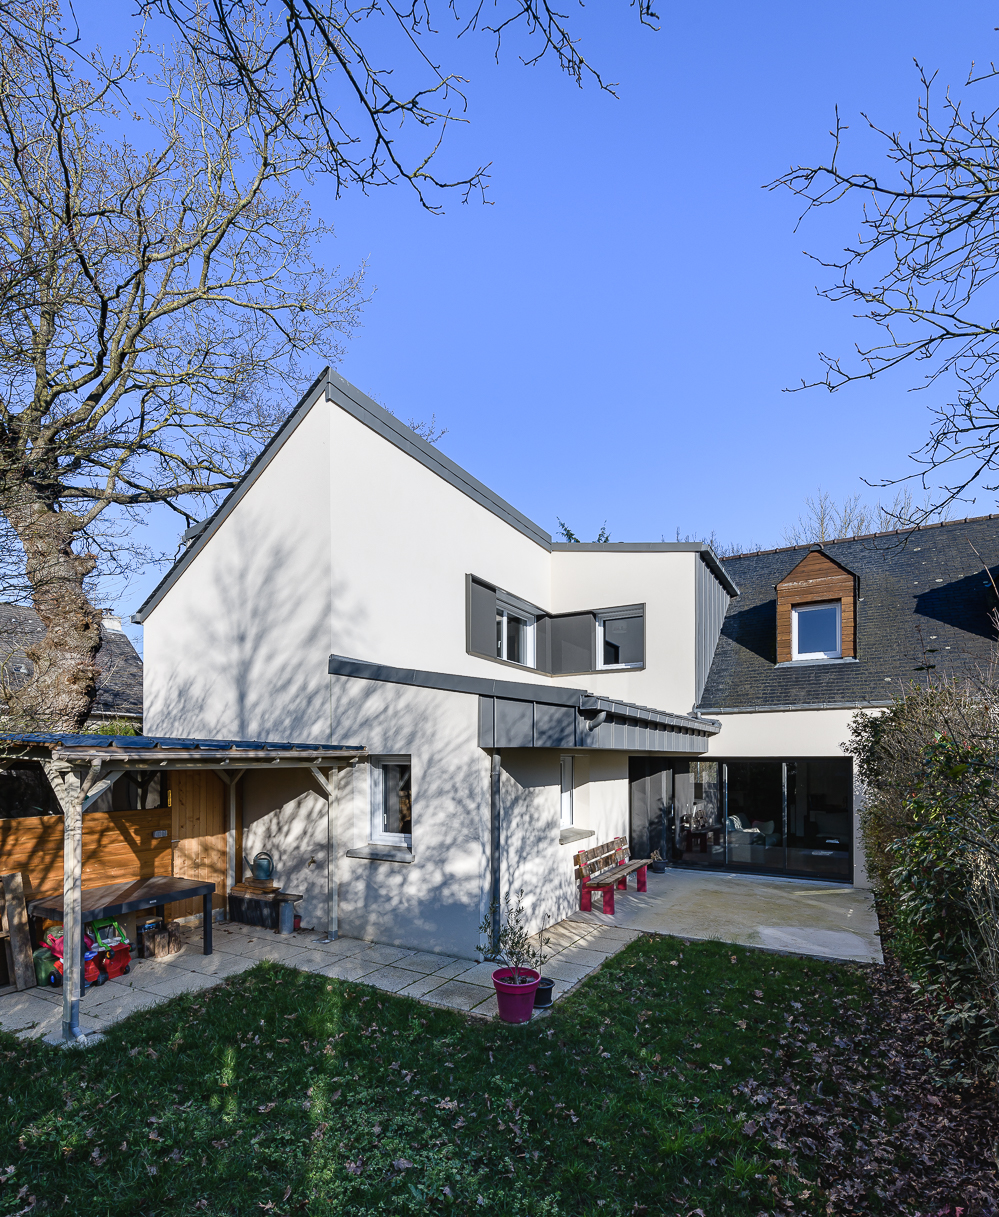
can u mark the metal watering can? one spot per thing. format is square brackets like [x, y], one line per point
[263, 867]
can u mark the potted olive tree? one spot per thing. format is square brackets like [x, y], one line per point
[517, 981]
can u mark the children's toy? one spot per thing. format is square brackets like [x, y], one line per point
[93, 958]
[109, 934]
[46, 972]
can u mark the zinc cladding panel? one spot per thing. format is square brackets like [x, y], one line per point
[481, 618]
[573, 643]
[487, 726]
[543, 644]
[514, 724]
[711, 602]
[555, 726]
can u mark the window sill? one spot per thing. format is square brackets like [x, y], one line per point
[814, 663]
[383, 853]
[566, 835]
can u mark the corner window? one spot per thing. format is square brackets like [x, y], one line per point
[816, 631]
[514, 634]
[620, 638]
[391, 801]
[567, 787]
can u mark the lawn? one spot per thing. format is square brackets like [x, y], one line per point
[680, 1077]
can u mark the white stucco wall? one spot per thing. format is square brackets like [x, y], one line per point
[664, 583]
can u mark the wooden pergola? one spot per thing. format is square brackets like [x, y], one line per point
[80, 768]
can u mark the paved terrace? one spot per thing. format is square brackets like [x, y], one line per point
[784, 915]
[578, 947]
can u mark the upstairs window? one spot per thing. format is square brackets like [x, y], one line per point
[817, 631]
[621, 638]
[514, 634]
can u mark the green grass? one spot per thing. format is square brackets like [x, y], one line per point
[280, 1092]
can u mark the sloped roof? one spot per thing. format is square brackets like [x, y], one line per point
[119, 688]
[924, 611]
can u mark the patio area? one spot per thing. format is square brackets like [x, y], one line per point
[794, 916]
[797, 917]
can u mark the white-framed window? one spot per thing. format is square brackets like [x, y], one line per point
[817, 631]
[567, 790]
[391, 801]
[514, 633]
[621, 638]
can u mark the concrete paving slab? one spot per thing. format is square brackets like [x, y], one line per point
[581, 957]
[381, 953]
[341, 947]
[276, 952]
[427, 961]
[422, 985]
[182, 982]
[122, 1006]
[559, 970]
[20, 1010]
[219, 963]
[353, 968]
[451, 970]
[392, 980]
[311, 961]
[480, 974]
[457, 995]
[753, 910]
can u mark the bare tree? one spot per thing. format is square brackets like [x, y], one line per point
[825, 519]
[154, 301]
[923, 270]
[364, 76]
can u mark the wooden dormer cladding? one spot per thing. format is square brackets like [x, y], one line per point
[815, 579]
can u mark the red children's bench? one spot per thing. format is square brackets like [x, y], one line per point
[605, 868]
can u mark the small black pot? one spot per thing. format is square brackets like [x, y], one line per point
[657, 868]
[543, 993]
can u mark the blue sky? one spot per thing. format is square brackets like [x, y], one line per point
[610, 340]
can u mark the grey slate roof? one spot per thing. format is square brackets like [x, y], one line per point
[119, 689]
[924, 609]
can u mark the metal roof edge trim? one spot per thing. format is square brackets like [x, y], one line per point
[815, 705]
[384, 423]
[708, 555]
[210, 526]
[360, 669]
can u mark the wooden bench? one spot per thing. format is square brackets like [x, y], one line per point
[605, 868]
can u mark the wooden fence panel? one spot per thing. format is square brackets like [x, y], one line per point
[198, 806]
[115, 848]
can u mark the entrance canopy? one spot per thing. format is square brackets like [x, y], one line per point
[80, 768]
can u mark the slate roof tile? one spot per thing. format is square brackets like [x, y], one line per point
[924, 611]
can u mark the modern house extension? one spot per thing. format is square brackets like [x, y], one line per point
[516, 699]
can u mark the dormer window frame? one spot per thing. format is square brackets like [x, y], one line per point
[819, 579]
[797, 610]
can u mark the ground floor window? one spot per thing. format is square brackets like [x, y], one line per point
[391, 801]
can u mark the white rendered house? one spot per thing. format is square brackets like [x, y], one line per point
[518, 699]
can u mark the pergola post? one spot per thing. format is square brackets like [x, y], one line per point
[332, 848]
[71, 787]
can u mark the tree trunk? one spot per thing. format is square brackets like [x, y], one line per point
[60, 692]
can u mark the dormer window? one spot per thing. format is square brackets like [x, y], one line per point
[514, 634]
[817, 631]
[817, 611]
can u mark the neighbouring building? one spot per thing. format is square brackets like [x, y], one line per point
[521, 699]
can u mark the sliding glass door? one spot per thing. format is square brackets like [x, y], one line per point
[789, 817]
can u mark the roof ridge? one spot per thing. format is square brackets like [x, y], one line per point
[864, 536]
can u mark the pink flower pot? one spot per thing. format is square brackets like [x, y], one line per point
[515, 1001]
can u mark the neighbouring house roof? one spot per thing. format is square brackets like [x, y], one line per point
[119, 688]
[925, 602]
[332, 387]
